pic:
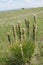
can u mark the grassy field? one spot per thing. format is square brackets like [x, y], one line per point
[13, 17]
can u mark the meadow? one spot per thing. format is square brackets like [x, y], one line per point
[9, 18]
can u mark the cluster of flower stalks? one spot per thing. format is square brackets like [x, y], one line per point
[19, 33]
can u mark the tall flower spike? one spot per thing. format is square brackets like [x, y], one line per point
[19, 31]
[14, 33]
[23, 33]
[35, 18]
[34, 32]
[9, 40]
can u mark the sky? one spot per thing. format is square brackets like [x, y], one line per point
[16, 4]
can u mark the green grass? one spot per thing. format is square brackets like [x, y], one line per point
[12, 17]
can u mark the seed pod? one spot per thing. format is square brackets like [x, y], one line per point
[9, 40]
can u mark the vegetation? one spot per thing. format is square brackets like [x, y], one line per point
[16, 38]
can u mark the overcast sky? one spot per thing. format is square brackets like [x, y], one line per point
[15, 4]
